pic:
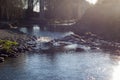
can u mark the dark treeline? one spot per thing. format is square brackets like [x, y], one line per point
[50, 9]
[102, 18]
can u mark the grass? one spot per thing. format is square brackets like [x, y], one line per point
[7, 45]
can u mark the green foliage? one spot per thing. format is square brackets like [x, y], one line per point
[7, 45]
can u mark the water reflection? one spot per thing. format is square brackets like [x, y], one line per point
[44, 32]
[60, 66]
[24, 30]
[36, 30]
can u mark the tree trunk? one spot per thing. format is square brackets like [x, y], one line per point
[41, 9]
[30, 7]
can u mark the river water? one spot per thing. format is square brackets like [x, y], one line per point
[70, 65]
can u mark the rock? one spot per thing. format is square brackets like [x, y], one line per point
[59, 43]
[52, 49]
[29, 49]
[0, 46]
[15, 49]
[31, 43]
[3, 52]
[71, 47]
[19, 49]
[49, 43]
[34, 38]
[3, 55]
[94, 48]
[79, 50]
[90, 34]
[68, 38]
[2, 59]
[13, 55]
[76, 36]
[82, 40]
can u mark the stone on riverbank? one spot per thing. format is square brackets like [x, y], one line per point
[89, 40]
[13, 42]
[79, 50]
[3, 55]
[2, 59]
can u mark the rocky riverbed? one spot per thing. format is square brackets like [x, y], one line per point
[84, 42]
[71, 42]
[8, 37]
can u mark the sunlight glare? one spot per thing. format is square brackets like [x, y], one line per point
[44, 39]
[36, 8]
[93, 2]
[116, 74]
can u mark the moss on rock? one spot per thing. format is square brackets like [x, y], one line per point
[7, 45]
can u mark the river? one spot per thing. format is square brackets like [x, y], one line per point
[70, 65]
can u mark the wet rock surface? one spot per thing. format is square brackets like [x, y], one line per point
[79, 42]
[71, 42]
[19, 37]
[2, 59]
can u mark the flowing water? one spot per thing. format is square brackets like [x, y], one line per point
[70, 65]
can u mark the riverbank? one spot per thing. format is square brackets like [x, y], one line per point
[8, 38]
[85, 42]
[70, 41]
